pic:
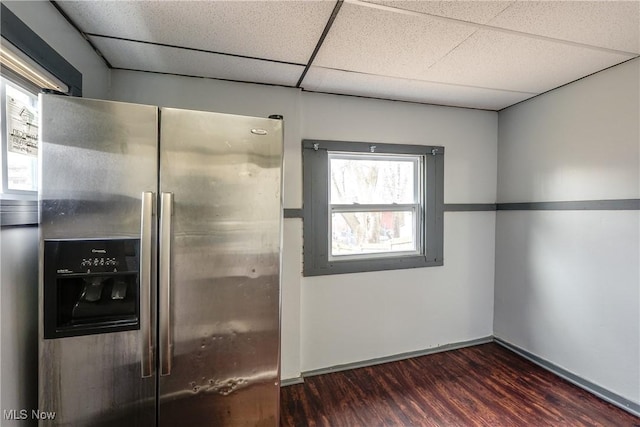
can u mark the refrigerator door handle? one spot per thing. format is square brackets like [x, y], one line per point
[166, 214]
[146, 252]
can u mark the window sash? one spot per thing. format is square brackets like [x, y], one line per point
[417, 227]
[416, 208]
[417, 160]
[370, 207]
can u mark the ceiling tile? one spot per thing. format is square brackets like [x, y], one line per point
[375, 41]
[279, 30]
[608, 24]
[499, 60]
[349, 83]
[472, 11]
[148, 57]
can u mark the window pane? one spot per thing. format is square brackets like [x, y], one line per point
[22, 172]
[22, 140]
[354, 233]
[372, 181]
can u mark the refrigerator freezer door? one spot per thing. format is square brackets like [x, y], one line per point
[225, 175]
[97, 158]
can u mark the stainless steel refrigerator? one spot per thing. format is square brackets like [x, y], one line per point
[160, 265]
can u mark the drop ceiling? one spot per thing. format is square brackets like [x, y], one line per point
[475, 54]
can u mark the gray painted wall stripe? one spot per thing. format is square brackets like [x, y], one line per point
[469, 207]
[601, 392]
[583, 205]
[292, 213]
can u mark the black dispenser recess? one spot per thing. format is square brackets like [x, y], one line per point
[91, 286]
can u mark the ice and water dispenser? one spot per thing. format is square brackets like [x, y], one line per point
[91, 286]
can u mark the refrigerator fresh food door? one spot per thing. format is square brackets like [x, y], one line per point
[97, 159]
[219, 297]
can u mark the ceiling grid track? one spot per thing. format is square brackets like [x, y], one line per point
[202, 77]
[568, 83]
[82, 33]
[193, 49]
[327, 27]
[423, 53]
[378, 98]
[434, 81]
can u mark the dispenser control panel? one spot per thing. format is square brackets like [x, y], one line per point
[99, 262]
[91, 286]
[97, 256]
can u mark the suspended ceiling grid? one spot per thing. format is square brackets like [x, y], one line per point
[475, 54]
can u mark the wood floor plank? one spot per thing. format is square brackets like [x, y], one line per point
[484, 385]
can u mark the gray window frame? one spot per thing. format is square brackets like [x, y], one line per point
[316, 250]
[21, 36]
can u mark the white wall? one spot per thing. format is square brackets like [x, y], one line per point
[431, 307]
[46, 22]
[356, 317]
[469, 136]
[568, 282]
[579, 142]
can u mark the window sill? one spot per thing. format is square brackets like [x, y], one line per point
[371, 264]
[18, 211]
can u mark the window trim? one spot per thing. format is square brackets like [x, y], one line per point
[22, 37]
[316, 209]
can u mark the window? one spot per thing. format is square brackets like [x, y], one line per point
[370, 206]
[19, 136]
[375, 203]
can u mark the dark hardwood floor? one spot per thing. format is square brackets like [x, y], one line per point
[485, 385]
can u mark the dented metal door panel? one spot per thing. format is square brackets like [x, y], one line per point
[219, 273]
